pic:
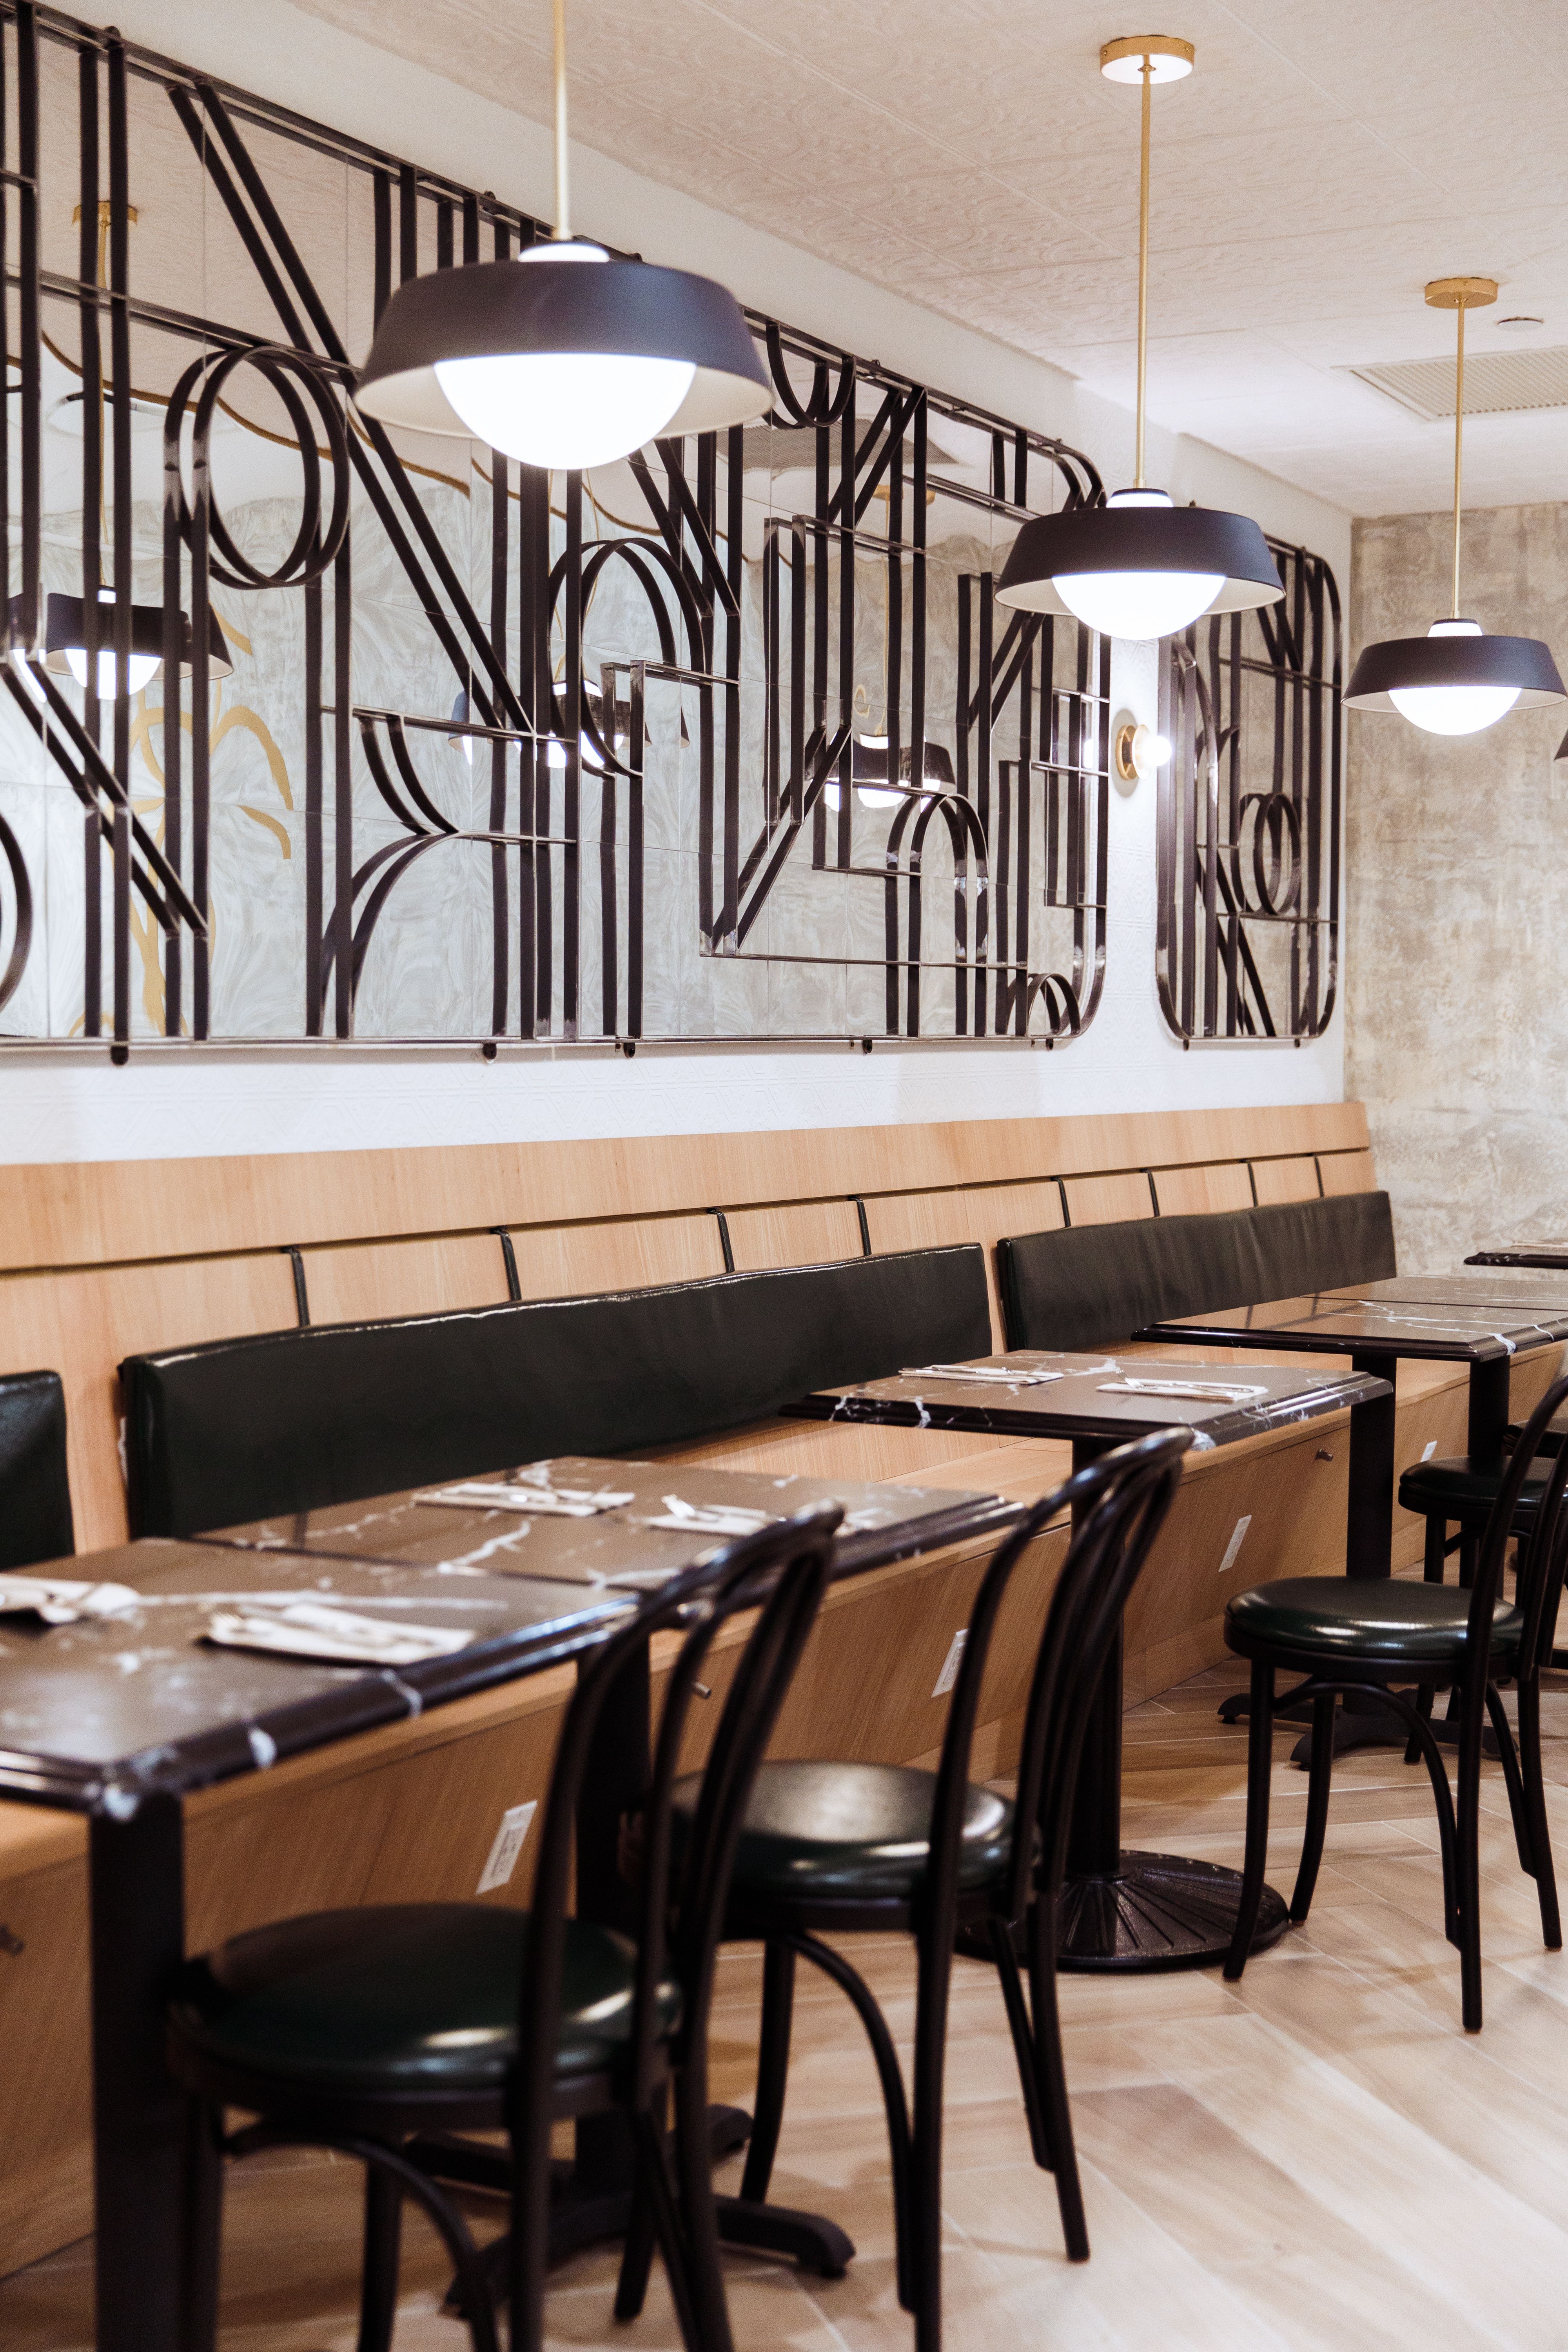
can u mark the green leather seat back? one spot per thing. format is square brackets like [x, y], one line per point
[1093, 1286]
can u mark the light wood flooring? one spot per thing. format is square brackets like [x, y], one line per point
[1318, 2158]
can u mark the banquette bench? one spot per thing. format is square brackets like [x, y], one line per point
[276, 1318]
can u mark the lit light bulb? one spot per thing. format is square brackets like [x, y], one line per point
[139, 668]
[567, 410]
[1138, 605]
[1453, 710]
[875, 795]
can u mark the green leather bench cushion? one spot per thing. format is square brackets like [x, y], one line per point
[1092, 1286]
[859, 1831]
[407, 1998]
[1455, 1487]
[290, 1420]
[1381, 1620]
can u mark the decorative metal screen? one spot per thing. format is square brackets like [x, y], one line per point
[730, 741]
[1249, 815]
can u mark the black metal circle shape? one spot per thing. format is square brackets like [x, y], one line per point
[630, 310]
[65, 632]
[294, 376]
[1140, 539]
[1400, 662]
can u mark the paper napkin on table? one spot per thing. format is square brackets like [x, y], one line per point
[63, 1600]
[1219, 1391]
[999, 1374]
[712, 1519]
[314, 1628]
[544, 1502]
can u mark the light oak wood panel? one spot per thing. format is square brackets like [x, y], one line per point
[96, 1211]
[1347, 1172]
[795, 1233]
[433, 1276]
[627, 1254]
[1199, 1192]
[1108, 1200]
[976, 1212]
[82, 1324]
[820, 1449]
[439, 1834]
[1285, 1180]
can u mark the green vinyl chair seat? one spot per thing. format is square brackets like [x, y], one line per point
[410, 1999]
[857, 1831]
[1364, 1621]
[1460, 1488]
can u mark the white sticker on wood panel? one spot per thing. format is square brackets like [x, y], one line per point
[951, 1664]
[510, 1839]
[1237, 1537]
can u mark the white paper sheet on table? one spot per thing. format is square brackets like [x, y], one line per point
[712, 1519]
[1218, 1392]
[314, 1628]
[996, 1375]
[63, 1600]
[543, 1502]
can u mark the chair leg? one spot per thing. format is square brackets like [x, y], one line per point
[1507, 1757]
[638, 2248]
[382, 2243]
[698, 2239]
[1535, 1811]
[1050, 2076]
[1468, 1874]
[1023, 2033]
[1259, 1765]
[654, 2220]
[895, 2106]
[1432, 1564]
[935, 1980]
[1320, 1776]
[772, 2070]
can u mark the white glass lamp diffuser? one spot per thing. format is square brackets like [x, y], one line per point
[1139, 566]
[1456, 680]
[562, 358]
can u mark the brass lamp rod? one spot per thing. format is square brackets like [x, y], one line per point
[1142, 270]
[1460, 294]
[563, 193]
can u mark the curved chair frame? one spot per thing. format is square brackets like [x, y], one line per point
[782, 1574]
[1118, 1505]
[1542, 1559]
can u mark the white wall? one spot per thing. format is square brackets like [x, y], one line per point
[69, 1104]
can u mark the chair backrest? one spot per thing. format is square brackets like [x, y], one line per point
[35, 1491]
[1119, 1505]
[780, 1573]
[251, 1428]
[1543, 1553]
[1090, 1286]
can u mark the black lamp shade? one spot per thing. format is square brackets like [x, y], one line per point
[65, 631]
[1140, 539]
[629, 308]
[1468, 660]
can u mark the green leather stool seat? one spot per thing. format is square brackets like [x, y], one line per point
[1373, 1621]
[411, 1998]
[1457, 1488]
[861, 1830]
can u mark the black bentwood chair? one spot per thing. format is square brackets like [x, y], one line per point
[1351, 1633]
[359, 2031]
[847, 1848]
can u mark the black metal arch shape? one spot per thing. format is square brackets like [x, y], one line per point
[640, 555]
[22, 893]
[967, 833]
[313, 550]
[820, 408]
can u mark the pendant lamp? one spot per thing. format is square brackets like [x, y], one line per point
[1456, 680]
[562, 358]
[1138, 566]
[65, 643]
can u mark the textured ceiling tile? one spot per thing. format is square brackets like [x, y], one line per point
[1326, 159]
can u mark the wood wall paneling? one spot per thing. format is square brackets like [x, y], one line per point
[620, 1254]
[971, 1212]
[1199, 1192]
[1109, 1200]
[437, 1275]
[1285, 1180]
[793, 1233]
[96, 1211]
[1347, 1172]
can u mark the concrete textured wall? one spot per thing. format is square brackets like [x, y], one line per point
[1457, 1011]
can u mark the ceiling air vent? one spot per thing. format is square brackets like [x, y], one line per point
[1497, 384]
